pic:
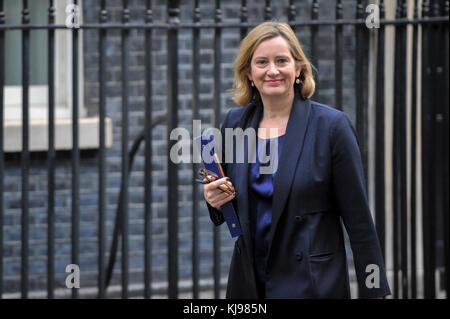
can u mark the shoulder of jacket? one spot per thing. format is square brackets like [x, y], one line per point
[234, 115]
[330, 118]
[325, 110]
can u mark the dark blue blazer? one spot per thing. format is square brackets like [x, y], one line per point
[318, 184]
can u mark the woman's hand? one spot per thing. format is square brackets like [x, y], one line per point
[215, 196]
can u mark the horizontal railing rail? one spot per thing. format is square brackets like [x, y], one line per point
[212, 25]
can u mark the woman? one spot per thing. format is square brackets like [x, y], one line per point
[292, 243]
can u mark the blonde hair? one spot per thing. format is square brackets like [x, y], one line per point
[243, 93]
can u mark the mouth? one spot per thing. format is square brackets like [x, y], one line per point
[274, 81]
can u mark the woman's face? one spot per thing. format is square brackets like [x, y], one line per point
[273, 69]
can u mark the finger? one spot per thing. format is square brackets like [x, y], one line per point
[213, 195]
[212, 174]
[229, 186]
[226, 200]
[225, 189]
[216, 196]
[217, 202]
[215, 184]
[219, 182]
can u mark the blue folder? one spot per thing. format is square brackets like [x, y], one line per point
[206, 140]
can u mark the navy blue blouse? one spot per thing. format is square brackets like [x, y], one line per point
[260, 200]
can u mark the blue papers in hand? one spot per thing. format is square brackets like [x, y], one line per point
[206, 142]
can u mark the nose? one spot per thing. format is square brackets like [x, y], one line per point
[273, 71]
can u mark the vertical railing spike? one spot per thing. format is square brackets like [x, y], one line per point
[25, 155]
[125, 161]
[2, 164]
[75, 152]
[51, 155]
[217, 118]
[148, 153]
[195, 167]
[244, 17]
[103, 17]
[172, 123]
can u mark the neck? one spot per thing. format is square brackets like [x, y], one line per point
[276, 107]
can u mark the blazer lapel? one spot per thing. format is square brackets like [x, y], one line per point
[289, 157]
[249, 120]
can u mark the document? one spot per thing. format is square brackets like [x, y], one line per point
[206, 142]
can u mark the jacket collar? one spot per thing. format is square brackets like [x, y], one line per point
[250, 119]
[290, 154]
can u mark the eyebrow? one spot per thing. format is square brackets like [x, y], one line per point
[278, 56]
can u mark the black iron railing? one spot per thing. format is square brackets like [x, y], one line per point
[430, 21]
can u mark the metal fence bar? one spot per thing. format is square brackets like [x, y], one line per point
[217, 119]
[292, 13]
[244, 18]
[338, 55]
[2, 162]
[228, 25]
[380, 203]
[436, 72]
[427, 148]
[360, 88]
[365, 96]
[445, 84]
[267, 11]
[314, 45]
[148, 154]
[195, 116]
[425, 121]
[172, 123]
[415, 39]
[103, 16]
[403, 173]
[398, 99]
[51, 160]
[25, 155]
[434, 93]
[125, 167]
[439, 95]
[75, 154]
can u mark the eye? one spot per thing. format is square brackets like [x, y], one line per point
[260, 62]
[282, 60]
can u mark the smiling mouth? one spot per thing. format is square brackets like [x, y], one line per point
[274, 81]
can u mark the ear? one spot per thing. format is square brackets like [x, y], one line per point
[298, 70]
[249, 76]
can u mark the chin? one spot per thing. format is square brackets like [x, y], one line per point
[270, 93]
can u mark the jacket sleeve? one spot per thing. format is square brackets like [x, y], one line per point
[216, 215]
[348, 186]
